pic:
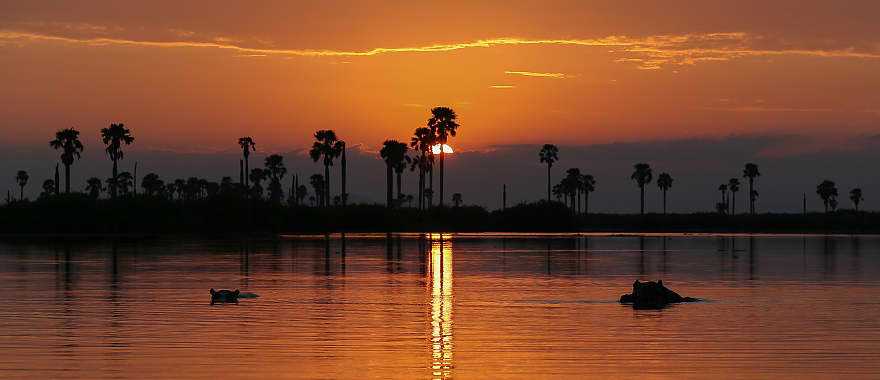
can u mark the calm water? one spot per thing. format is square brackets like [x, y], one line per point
[467, 306]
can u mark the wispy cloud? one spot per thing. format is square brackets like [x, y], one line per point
[537, 74]
[767, 109]
[502, 86]
[649, 53]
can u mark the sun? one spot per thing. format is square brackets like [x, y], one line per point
[446, 149]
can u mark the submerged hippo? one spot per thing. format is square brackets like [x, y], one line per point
[224, 295]
[652, 295]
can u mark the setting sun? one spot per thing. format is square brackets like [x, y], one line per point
[446, 149]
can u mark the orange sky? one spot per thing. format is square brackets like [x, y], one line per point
[196, 75]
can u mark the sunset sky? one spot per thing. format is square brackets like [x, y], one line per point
[192, 76]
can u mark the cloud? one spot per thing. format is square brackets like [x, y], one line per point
[502, 86]
[648, 53]
[537, 74]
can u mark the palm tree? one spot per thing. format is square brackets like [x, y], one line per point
[301, 193]
[48, 188]
[114, 137]
[393, 152]
[328, 147]
[422, 142]
[733, 186]
[643, 175]
[723, 189]
[589, 186]
[549, 154]
[855, 195]
[343, 194]
[664, 182]
[152, 184]
[399, 168]
[247, 145]
[123, 182]
[21, 178]
[443, 124]
[94, 187]
[317, 182]
[256, 177]
[275, 168]
[71, 148]
[751, 172]
[827, 190]
[572, 185]
[456, 199]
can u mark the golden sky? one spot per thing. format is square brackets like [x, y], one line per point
[195, 75]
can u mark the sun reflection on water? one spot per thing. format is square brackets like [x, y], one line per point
[441, 305]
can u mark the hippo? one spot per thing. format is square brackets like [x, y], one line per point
[224, 296]
[652, 295]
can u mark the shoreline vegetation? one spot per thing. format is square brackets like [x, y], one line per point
[262, 202]
[77, 215]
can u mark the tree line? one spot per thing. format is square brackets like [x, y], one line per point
[425, 151]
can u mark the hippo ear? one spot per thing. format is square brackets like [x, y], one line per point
[213, 291]
[236, 292]
[660, 282]
[636, 284]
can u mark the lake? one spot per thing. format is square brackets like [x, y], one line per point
[416, 306]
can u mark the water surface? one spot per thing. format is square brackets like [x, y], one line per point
[442, 306]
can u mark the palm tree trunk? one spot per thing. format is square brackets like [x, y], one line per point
[66, 178]
[399, 185]
[431, 180]
[442, 172]
[326, 185]
[389, 184]
[664, 201]
[113, 183]
[733, 203]
[421, 189]
[642, 199]
[247, 171]
[548, 182]
[343, 194]
[21, 196]
[751, 196]
[586, 202]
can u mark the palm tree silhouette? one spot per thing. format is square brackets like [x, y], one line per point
[21, 178]
[48, 188]
[275, 167]
[733, 186]
[326, 147]
[723, 189]
[152, 184]
[114, 137]
[751, 172]
[456, 199]
[123, 181]
[643, 175]
[549, 154]
[301, 193]
[247, 145]
[664, 182]
[855, 195]
[443, 124]
[94, 187]
[343, 193]
[827, 190]
[317, 182]
[393, 152]
[422, 142]
[589, 186]
[572, 186]
[256, 177]
[71, 148]
[399, 168]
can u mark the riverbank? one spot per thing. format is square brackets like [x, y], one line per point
[78, 217]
